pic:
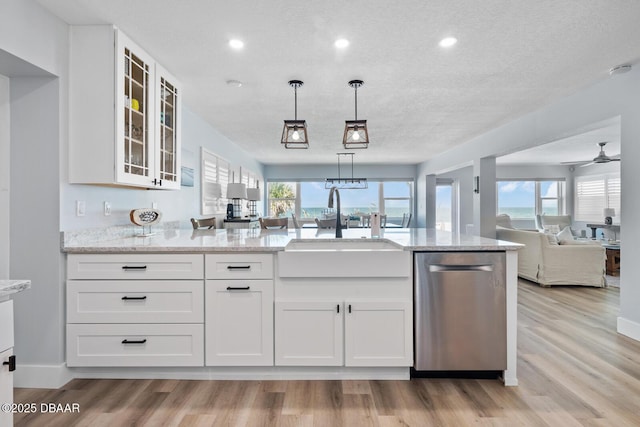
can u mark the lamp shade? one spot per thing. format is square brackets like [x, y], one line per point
[253, 194]
[609, 212]
[236, 190]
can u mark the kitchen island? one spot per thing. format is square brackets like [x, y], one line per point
[232, 304]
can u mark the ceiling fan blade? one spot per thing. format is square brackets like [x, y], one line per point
[588, 164]
[574, 163]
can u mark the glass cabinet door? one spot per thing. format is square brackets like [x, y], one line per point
[135, 161]
[167, 131]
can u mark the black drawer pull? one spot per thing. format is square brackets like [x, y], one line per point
[125, 298]
[238, 288]
[338, 308]
[349, 308]
[126, 341]
[134, 267]
[11, 363]
[238, 267]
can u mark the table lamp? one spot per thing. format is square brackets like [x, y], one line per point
[253, 194]
[236, 191]
[609, 213]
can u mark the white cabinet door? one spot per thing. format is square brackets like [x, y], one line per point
[239, 322]
[6, 388]
[309, 333]
[135, 106]
[168, 121]
[378, 333]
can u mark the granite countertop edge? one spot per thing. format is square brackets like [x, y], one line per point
[184, 240]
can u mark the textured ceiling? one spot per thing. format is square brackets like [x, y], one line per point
[512, 57]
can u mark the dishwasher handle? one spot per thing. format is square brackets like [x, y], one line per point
[451, 267]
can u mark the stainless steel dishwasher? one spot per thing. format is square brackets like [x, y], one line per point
[460, 311]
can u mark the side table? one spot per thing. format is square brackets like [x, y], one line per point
[613, 259]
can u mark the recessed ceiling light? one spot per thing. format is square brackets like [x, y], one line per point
[234, 83]
[236, 44]
[448, 41]
[341, 43]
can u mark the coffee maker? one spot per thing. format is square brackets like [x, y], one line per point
[229, 210]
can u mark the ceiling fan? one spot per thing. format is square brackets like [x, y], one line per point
[600, 158]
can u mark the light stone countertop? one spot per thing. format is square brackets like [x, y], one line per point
[183, 238]
[8, 287]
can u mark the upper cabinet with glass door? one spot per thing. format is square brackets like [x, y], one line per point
[168, 120]
[125, 113]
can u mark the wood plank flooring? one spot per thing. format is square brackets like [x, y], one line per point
[573, 369]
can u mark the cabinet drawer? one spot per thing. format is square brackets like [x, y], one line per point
[135, 266]
[135, 301]
[239, 266]
[135, 345]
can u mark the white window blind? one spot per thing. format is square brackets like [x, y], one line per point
[593, 193]
[214, 170]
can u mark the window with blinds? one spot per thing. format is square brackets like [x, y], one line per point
[215, 177]
[593, 194]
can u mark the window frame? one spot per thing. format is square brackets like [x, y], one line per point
[561, 198]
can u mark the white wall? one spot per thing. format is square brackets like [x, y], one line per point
[618, 96]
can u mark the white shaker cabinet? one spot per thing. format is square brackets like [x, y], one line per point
[350, 333]
[309, 333]
[124, 113]
[239, 310]
[239, 322]
[135, 310]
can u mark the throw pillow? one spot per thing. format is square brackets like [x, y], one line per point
[565, 236]
[552, 228]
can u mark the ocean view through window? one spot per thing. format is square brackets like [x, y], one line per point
[308, 200]
[523, 199]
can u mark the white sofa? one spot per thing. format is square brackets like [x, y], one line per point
[552, 264]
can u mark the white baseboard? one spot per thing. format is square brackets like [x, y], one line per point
[246, 373]
[629, 328]
[41, 376]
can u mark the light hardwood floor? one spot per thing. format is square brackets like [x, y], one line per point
[573, 368]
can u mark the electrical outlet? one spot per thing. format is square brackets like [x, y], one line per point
[81, 207]
[107, 208]
[154, 205]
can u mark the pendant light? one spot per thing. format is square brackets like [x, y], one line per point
[294, 133]
[356, 135]
[346, 183]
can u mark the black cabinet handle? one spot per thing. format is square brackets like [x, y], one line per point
[157, 182]
[11, 362]
[349, 308]
[126, 341]
[134, 267]
[338, 308]
[125, 298]
[238, 267]
[238, 288]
